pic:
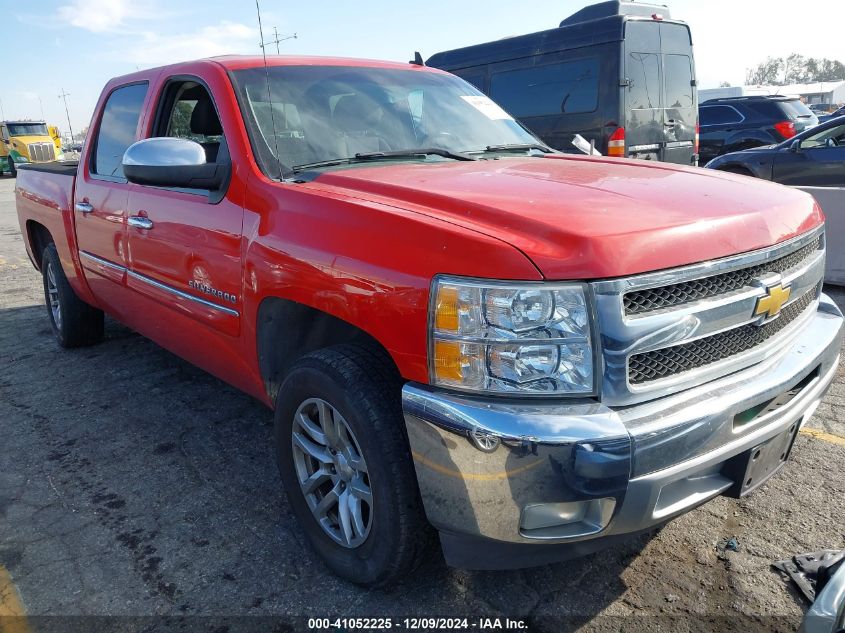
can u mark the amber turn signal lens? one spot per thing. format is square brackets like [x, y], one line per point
[447, 361]
[446, 310]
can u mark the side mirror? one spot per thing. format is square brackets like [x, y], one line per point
[795, 146]
[171, 162]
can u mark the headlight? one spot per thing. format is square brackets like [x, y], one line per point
[519, 338]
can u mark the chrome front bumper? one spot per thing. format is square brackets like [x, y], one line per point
[827, 613]
[505, 480]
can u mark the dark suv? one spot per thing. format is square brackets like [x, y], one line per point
[736, 123]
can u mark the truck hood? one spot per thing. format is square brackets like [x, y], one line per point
[587, 218]
[26, 140]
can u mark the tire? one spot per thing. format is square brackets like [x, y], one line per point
[362, 392]
[12, 169]
[74, 322]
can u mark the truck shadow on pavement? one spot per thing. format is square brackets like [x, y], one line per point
[151, 487]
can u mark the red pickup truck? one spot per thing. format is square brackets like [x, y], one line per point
[535, 353]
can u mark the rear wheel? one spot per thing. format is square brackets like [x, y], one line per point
[346, 466]
[75, 323]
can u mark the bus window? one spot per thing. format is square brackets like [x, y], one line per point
[643, 81]
[476, 79]
[568, 88]
[678, 81]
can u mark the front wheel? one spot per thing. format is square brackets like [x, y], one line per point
[346, 466]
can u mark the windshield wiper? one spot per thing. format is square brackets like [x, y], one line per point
[324, 163]
[410, 153]
[370, 156]
[518, 147]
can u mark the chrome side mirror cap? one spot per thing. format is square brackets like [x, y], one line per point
[171, 162]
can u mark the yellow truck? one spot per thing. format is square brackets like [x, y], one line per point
[56, 135]
[25, 142]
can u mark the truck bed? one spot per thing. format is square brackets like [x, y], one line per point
[63, 168]
[44, 198]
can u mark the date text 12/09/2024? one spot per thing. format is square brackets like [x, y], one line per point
[417, 624]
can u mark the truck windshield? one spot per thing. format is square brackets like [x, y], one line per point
[307, 115]
[27, 129]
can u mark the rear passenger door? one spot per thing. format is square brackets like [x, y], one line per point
[184, 250]
[102, 193]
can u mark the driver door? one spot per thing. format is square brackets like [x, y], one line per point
[184, 246]
[818, 162]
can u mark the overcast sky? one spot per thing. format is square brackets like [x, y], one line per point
[79, 44]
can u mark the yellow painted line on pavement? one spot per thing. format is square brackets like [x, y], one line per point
[6, 264]
[12, 612]
[825, 437]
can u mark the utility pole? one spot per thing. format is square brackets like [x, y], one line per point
[277, 40]
[64, 97]
[41, 103]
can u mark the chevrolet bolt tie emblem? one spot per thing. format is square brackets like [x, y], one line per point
[769, 306]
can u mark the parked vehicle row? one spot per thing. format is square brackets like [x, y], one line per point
[456, 326]
[827, 117]
[820, 109]
[733, 124]
[813, 158]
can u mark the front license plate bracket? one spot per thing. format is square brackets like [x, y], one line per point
[753, 467]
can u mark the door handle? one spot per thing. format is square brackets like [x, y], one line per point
[83, 207]
[140, 222]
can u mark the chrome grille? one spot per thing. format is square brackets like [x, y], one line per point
[41, 152]
[671, 361]
[651, 299]
[697, 324]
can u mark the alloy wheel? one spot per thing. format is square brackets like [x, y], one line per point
[332, 472]
[53, 296]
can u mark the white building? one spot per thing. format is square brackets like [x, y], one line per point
[818, 92]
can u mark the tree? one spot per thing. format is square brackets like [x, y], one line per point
[829, 70]
[795, 69]
[767, 72]
[724, 84]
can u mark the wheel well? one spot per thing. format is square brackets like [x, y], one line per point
[288, 330]
[39, 238]
[736, 169]
[746, 143]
